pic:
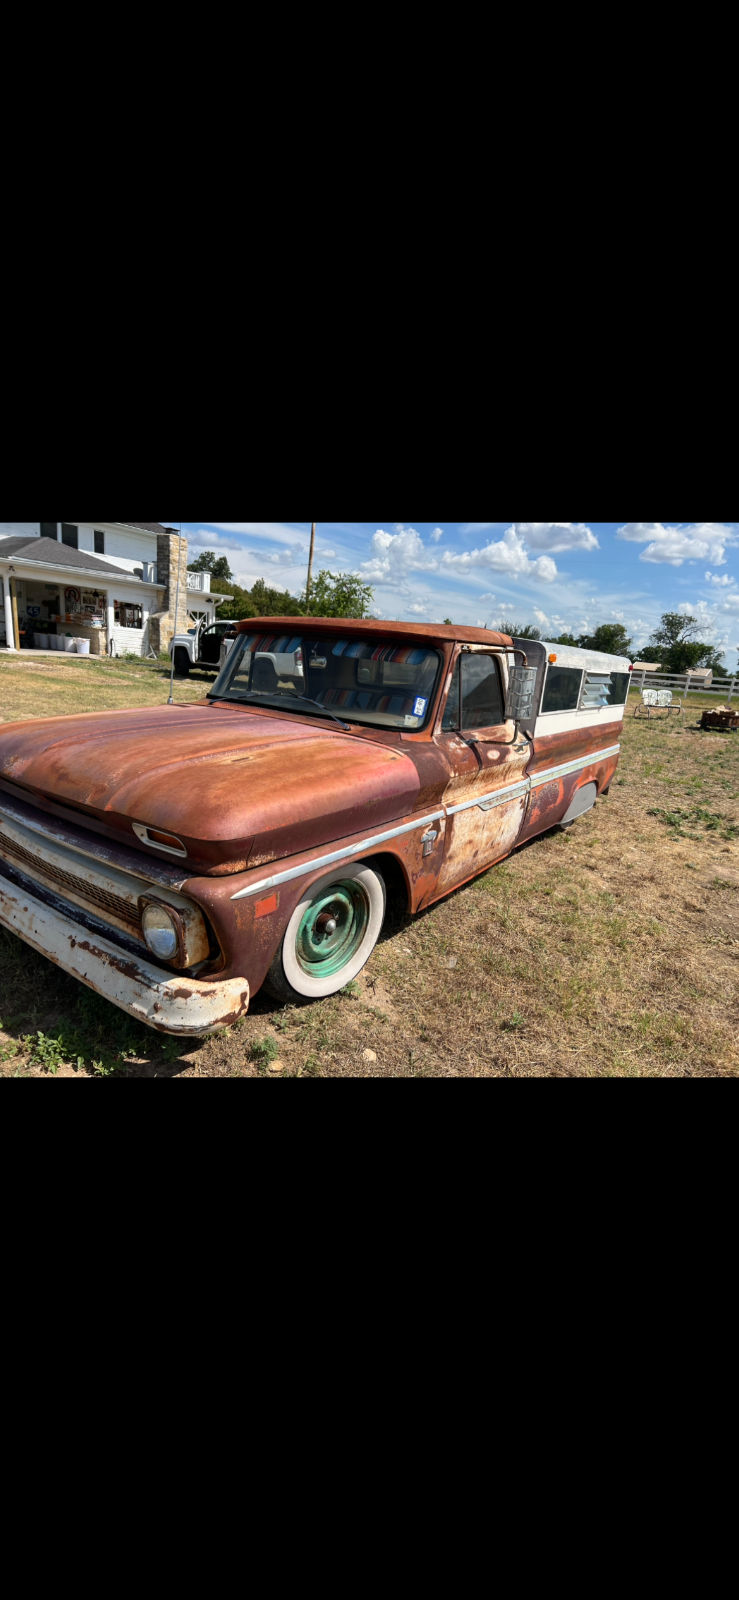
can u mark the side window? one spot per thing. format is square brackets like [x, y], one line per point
[619, 688]
[48, 530]
[70, 535]
[562, 689]
[99, 543]
[482, 695]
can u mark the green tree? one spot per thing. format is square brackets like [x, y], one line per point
[217, 566]
[339, 595]
[448, 622]
[676, 641]
[611, 638]
[566, 638]
[238, 607]
[515, 632]
[274, 602]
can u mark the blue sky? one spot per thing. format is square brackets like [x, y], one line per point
[559, 575]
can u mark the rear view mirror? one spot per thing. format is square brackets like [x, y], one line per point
[521, 693]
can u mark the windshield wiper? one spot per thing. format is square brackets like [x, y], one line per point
[326, 711]
[283, 700]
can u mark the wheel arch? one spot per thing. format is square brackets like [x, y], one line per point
[397, 882]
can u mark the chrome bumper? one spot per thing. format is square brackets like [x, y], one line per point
[172, 1004]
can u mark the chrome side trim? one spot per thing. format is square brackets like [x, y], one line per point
[336, 855]
[551, 773]
[485, 802]
[499, 797]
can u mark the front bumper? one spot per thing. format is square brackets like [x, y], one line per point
[172, 1004]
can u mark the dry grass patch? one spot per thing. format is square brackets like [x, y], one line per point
[47, 688]
[607, 951]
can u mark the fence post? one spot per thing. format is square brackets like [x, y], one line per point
[731, 690]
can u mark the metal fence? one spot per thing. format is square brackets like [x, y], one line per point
[685, 683]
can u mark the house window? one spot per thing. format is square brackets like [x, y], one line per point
[70, 535]
[99, 543]
[48, 530]
[128, 616]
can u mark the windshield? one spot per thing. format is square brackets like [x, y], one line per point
[360, 680]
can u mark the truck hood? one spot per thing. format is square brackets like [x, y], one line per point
[235, 786]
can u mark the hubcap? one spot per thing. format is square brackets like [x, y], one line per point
[332, 929]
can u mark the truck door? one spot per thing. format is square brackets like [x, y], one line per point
[487, 794]
[210, 646]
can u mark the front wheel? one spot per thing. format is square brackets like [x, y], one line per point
[181, 663]
[330, 936]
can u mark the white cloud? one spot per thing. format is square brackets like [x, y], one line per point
[557, 535]
[508, 555]
[696, 541]
[437, 534]
[541, 616]
[395, 555]
[546, 535]
[722, 583]
[418, 610]
[203, 540]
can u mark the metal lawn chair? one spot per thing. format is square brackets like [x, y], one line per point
[657, 702]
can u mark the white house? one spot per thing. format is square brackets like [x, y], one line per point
[105, 581]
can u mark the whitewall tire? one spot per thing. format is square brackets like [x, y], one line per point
[330, 936]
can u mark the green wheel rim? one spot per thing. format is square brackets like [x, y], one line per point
[332, 929]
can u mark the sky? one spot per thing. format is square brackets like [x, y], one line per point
[560, 576]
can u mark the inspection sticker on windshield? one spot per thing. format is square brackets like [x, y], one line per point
[419, 709]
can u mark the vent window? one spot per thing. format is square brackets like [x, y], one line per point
[595, 691]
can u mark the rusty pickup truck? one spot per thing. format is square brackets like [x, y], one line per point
[178, 859]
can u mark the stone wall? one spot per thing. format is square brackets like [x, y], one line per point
[162, 624]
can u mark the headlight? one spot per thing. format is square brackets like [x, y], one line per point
[160, 932]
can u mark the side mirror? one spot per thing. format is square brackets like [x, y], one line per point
[521, 693]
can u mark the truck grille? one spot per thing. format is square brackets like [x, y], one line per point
[90, 892]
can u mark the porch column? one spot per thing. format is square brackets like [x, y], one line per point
[9, 633]
[14, 625]
[111, 624]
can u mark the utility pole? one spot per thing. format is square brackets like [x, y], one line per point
[310, 565]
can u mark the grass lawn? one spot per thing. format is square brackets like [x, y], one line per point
[607, 951]
[48, 688]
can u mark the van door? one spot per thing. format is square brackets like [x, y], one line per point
[486, 796]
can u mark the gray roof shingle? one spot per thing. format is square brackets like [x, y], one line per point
[54, 554]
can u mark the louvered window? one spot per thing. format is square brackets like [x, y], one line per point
[595, 691]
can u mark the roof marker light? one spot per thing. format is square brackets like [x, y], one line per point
[552, 660]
